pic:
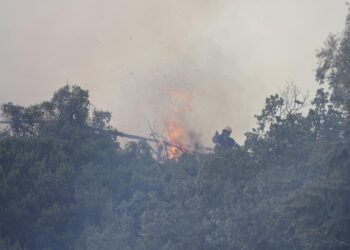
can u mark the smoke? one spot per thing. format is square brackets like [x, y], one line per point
[227, 55]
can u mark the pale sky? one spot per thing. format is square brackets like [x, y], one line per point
[228, 55]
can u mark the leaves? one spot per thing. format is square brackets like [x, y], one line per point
[65, 182]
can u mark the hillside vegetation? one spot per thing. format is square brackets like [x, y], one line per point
[65, 182]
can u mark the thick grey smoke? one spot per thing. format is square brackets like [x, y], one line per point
[228, 55]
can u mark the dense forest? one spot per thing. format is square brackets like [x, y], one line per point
[66, 183]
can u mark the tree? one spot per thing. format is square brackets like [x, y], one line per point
[319, 209]
[54, 147]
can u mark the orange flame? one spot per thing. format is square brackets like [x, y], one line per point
[177, 133]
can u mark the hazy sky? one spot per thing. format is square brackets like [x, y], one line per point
[227, 55]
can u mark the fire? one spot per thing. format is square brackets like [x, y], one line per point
[177, 136]
[177, 133]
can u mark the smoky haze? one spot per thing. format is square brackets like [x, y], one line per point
[227, 55]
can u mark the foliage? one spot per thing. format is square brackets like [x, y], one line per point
[65, 182]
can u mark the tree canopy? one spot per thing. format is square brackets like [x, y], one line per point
[65, 182]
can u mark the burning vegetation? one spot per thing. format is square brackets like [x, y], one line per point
[177, 138]
[177, 131]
